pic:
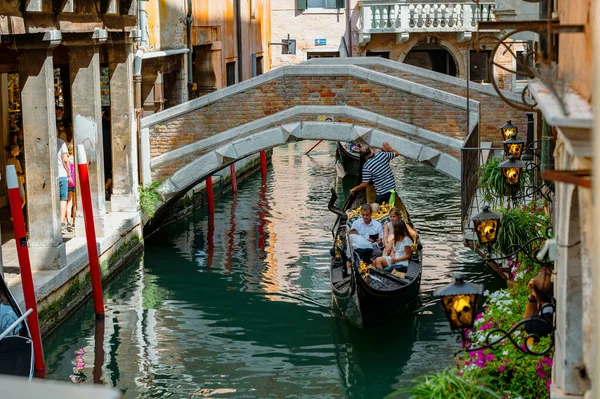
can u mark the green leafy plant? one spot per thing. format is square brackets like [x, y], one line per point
[150, 199]
[448, 384]
[518, 226]
[491, 182]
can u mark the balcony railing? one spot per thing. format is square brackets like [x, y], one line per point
[380, 17]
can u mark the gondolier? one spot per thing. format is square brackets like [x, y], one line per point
[377, 168]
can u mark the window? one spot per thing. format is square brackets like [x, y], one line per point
[382, 54]
[322, 54]
[304, 4]
[259, 66]
[479, 66]
[230, 73]
[521, 60]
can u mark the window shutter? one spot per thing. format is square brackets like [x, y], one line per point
[340, 4]
[302, 4]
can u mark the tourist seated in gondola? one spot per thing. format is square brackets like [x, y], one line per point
[539, 312]
[388, 231]
[370, 229]
[360, 245]
[401, 250]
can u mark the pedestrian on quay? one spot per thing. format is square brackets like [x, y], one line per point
[377, 168]
[14, 160]
[64, 179]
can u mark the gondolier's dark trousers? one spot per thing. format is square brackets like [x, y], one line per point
[381, 198]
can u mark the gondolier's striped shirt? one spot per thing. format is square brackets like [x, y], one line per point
[377, 168]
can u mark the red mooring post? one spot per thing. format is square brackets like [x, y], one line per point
[233, 178]
[210, 196]
[16, 211]
[90, 231]
[263, 163]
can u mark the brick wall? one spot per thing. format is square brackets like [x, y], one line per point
[291, 91]
[494, 111]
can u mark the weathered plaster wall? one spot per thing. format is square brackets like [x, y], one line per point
[575, 55]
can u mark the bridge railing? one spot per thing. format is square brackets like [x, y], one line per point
[426, 16]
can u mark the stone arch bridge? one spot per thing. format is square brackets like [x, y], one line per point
[423, 114]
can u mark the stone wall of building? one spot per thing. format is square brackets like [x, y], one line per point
[307, 25]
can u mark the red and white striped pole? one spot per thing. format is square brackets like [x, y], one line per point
[233, 177]
[263, 163]
[90, 232]
[16, 211]
[210, 196]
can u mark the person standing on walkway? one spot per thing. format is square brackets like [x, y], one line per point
[377, 168]
[64, 179]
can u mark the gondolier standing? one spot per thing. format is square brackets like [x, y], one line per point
[377, 168]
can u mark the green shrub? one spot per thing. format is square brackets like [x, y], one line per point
[520, 225]
[491, 182]
[447, 384]
[150, 199]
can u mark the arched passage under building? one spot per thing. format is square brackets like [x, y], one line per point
[433, 57]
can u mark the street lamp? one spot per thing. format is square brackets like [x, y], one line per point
[511, 170]
[459, 302]
[508, 130]
[513, 147]
[486, 226]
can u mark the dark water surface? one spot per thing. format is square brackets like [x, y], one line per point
[240, 302]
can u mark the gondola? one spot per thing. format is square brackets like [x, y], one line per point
[16, 345]
[375, 296]
[347, 159]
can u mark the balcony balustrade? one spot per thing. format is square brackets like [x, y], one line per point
[404, 18]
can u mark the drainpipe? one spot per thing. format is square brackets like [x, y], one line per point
[190, 81]
[137, 74]
[349, 27]
[238, 32]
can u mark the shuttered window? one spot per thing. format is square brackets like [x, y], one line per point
[304, 4]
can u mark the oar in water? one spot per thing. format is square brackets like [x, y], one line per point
[313, 147]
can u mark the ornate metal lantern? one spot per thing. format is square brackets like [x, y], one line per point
[486, 226]
[508, 130]
[511, 170]
[459, 302]
[513, 147]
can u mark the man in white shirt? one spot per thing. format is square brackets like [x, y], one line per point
[369, 229]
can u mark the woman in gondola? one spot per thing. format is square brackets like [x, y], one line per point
[401, 249]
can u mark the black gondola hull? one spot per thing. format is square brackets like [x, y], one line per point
[346, 163]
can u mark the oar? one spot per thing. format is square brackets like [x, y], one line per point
[313, 147]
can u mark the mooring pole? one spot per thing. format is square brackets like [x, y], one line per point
[233, 177]
[263, 163]
[90, 230]
[210, 196]
[16, 210]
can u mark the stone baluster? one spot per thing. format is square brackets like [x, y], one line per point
[367, 18]
[428, 11]
[376, 17]
[386, 17]
[395, 15]
[456, 15]
[468, 20]
[412, 20]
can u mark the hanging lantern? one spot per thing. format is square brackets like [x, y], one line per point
[486, 226]
[511, 170]
[459, 302]
[508, 130]
[513, 147]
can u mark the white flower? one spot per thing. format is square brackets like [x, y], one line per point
[505, 353]
[486, 292]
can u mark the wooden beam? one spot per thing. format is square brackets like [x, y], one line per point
[577, 177]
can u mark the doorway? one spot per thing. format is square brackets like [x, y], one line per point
[432, 57]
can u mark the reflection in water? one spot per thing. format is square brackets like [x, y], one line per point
[238, 304]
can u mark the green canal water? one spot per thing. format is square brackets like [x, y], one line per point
[238, 305]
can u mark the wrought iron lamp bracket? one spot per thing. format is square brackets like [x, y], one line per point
[492, 339]
[531, 256]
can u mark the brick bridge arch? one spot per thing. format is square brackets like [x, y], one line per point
[422, 113]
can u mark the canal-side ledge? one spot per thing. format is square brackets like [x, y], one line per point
[60, 292]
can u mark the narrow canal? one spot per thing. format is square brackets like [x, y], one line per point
[239, 306]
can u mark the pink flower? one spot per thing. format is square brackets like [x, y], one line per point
[548, 383]
[489, 357]
[485, 326]
[547, 361]
[501, 368]
[540, 372]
